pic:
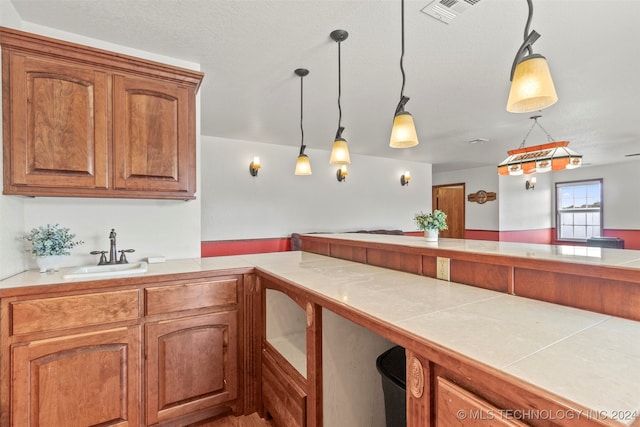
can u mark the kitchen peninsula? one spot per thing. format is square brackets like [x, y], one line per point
[473, 352]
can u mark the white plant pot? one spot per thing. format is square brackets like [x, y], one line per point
[431, 235]
[49, 263]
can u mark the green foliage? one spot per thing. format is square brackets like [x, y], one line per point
[51, 240]
[436, 220]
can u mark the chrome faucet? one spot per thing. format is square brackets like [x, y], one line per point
[113, 252]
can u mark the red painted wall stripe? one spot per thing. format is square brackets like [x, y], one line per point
[242, 247]
[482, 235]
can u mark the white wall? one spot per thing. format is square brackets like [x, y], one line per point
[276, 203]
[478, 216]
[152, 227]
[522, 209]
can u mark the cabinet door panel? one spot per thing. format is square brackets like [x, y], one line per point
[151, 135]
[58, 124]
[81, 380]
[457, 407]
[191, 364]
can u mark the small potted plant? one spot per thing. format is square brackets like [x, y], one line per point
[49, 243]
[431, 223]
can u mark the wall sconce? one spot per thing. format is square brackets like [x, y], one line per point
[404, 179]
[342, 173]
[531, 184]
[254, 166]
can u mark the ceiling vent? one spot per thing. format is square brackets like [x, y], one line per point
[446, 10]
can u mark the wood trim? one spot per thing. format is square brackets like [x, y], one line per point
[86, 55]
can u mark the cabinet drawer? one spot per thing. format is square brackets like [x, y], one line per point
[50, 314]
[190, 296]
[285, 400]
[456, 406]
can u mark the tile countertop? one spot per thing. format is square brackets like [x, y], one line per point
[588, 358]
[573, 254]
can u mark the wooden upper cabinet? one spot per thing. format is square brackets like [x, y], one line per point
[60, 131]
[83, 122]
[151, 135]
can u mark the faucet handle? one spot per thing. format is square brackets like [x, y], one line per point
[123, 258]
[103, 257]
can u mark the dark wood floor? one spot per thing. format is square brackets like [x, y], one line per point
[252, 420]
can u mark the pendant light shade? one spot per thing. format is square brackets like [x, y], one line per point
[403, 132]
[303, 165]
[340, 149]
[532, 88]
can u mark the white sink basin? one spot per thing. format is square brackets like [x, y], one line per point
[108, 270]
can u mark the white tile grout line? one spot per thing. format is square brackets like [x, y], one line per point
[556, 342]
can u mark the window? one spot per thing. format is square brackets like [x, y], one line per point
[579, 210]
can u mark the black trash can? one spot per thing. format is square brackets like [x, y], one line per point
[392, 367]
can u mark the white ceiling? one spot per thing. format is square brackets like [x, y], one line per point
[457, 73]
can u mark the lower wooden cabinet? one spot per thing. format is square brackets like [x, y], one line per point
[283, 391]
[160, 354]
[191, 365]
[77, 380]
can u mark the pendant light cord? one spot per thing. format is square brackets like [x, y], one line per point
[526, 28]
[402, 51]
[301, 115]
[535, 122]
[339, 87]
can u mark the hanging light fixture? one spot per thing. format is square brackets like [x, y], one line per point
[303, 166]
[403, 132]
[531, 86]
[340, 149]
[552, 156]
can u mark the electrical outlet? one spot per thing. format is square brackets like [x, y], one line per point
[442, 271]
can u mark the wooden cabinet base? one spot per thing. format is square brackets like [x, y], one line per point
[81, 380]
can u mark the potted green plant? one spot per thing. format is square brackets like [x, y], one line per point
[431, 223]
[49, 243]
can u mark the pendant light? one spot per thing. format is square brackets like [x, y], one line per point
[340, 149]
[403, 132]
[303, 166]
[552, 156]
[532, 88]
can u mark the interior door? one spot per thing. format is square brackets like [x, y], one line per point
[450, 199]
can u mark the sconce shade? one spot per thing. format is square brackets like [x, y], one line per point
[532, 88]
[340, 152]
[303, 166]
[403, 133]
[254, 166]
[531, 184]
[342, 173]
[405, 178]
[554, 156]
